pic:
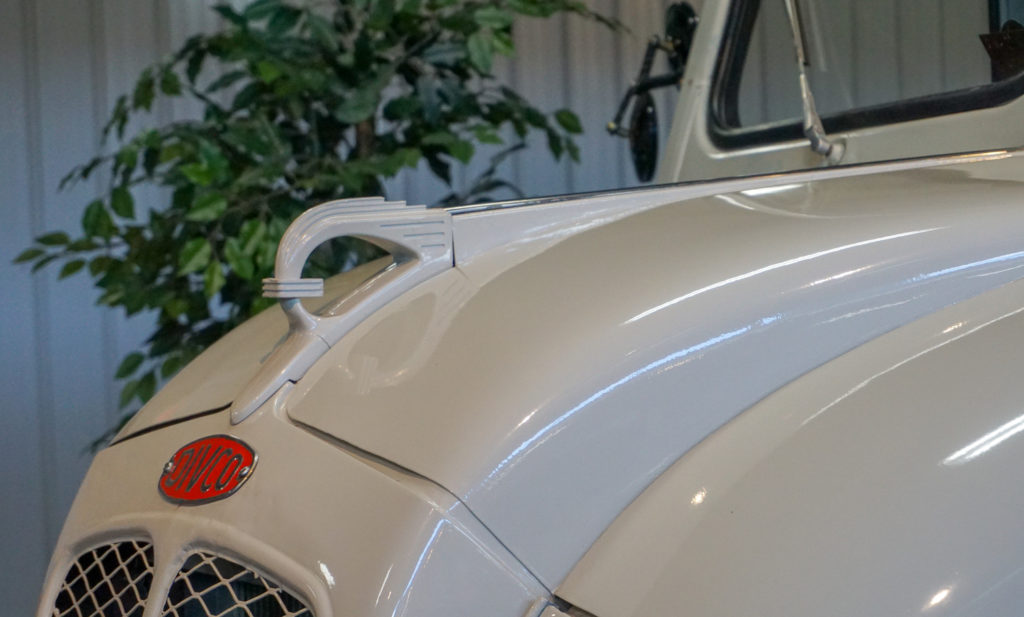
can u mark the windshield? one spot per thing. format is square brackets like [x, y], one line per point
[867, 54]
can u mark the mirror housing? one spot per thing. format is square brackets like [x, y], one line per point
[643, 136]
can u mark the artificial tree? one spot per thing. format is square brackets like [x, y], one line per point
[301, 104]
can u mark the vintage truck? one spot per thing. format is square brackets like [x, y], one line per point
[785, 380]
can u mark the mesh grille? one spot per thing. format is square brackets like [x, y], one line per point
[211, 586]
[110, 581]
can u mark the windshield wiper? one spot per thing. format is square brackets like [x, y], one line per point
[813, 129]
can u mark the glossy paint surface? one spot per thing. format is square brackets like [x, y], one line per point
[576, 375]
[344, 532]
[886, 482]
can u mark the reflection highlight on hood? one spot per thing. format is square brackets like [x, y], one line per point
[328, 577]
[971, 265]
[667, 363]
[986, 442]
[939, 597]
[768, 190]
[774, 266]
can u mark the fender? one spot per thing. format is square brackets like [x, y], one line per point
[885, 482]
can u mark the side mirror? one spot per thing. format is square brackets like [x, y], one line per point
[680, 25]
[643, 136]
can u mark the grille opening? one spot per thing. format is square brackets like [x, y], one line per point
[109, 581]
[212, 586]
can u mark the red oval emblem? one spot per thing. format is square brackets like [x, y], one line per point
[207, 469]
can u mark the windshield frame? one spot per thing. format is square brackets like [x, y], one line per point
[723, 117]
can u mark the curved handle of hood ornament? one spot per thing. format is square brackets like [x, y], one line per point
[420, 243]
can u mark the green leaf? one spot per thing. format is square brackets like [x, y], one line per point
[480, 46]
[401, 108]
[462, 150]
[268, 71]
[535, 118]
[230, 14]
[322, 31]
[251, 235]
[555, 144]
[283, 20]
[493, 17]
[127, 157]
[487, 135]
[128, 392]
[175, 307]
[569, 121]
[171, 365]
[147, 387]
[213, 278]
[207, 207]
[83, 244]
[129, 365]
[247, 95]
[405, 157]
[99, 264]
[198, 173]
[449, 52]
[574, 150]
[504, 44]
[121, 202]
[439, 138]
[195, 64]
[28, 255]
[359, 106]
[56, 238]
[142, 96]
[381, 13]
[39, 265]
[261, 9]
[70, 268]
[225, 80]
[212, 157]
[533, 8]
[236, 257]
[111, 298]
[96, 220]
[194, 256]
[169, 83]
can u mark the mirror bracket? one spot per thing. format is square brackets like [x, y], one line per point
[681, 23]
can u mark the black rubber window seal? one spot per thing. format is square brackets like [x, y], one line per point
[724, 127]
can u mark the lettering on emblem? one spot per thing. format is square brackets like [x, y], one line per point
[206, 470]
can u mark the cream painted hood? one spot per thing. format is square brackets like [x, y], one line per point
[581, 346]
[210, 382]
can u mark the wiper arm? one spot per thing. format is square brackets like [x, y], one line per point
[813, 129]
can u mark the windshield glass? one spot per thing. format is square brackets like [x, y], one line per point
[869, 53]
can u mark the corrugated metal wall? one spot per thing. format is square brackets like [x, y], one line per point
[62, 64]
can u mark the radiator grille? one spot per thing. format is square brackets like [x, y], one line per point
[109, 581]
[212, 586]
